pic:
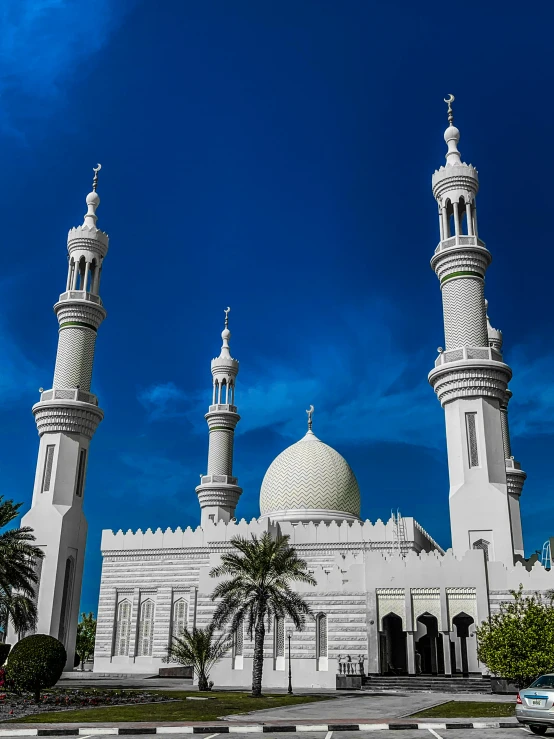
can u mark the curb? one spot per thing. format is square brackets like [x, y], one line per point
[255, 728]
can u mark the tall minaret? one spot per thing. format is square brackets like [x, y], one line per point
[66, 418]
[218, 492]
[470, 377]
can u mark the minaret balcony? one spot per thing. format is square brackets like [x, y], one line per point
[223, 407]
[468, 352]
[454, 241]
[81, 295]
[219, 479]
[69, 394]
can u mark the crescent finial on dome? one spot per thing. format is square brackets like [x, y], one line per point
[310, 413]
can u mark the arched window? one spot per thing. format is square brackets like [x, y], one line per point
[122, 629]
[180, 612]
[146, 629]
[321, 635]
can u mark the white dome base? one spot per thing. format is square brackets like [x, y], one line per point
[305, 515]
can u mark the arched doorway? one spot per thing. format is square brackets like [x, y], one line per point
[460, 662]
[429, 648]
[393, 646]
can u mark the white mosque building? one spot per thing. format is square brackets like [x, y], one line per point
[386, 592]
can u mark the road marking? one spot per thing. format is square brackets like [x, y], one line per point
[211, 736]
[434, 733]
[524, 729]
[328, 735]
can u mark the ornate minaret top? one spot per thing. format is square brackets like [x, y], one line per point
[452, 135]
[224, 369]
[218, 492]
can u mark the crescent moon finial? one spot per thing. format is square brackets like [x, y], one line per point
[449, 100]
[95, 178]
[227, 311]
[310, 414]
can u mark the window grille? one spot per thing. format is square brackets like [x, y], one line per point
[180, 612]
[48, 462]
[321, 635]
[279, 637]
[122, 629]
[81, 472]
[146, 629]
[472, 440]
[238, 641]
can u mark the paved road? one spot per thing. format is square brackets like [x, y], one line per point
[437, 733]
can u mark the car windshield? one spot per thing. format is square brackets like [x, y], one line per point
[545, 681]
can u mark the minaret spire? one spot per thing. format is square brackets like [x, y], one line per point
[218, 492]
[67, 416]
[470, 377]
[452, 135]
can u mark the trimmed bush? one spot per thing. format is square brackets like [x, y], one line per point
[4, 651]
[36, 662]
[76, 660]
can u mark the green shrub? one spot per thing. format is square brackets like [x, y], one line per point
[76, 660]
[4, 651]
[36, 662]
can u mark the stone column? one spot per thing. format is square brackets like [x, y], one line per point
[410, 646]
[446, 650]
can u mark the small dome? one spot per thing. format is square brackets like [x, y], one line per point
[93, 199]
[310, 481]
[452, 133]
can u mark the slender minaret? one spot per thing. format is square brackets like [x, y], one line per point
[218, 492]
[66, 418]
[470, 377]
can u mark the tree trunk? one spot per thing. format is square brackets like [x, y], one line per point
[258, 663]
[203, 682]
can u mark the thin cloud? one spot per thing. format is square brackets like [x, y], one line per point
[532, 405]
[364, 385]
[42, 45]
[162, 400]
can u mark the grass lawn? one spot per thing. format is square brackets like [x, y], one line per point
[469, 709]
[220, 704]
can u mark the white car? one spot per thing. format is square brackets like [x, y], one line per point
[535, 705]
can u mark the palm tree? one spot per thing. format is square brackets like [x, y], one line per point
[261, 571]
[19, 610]
[198, 649]
[18, 575]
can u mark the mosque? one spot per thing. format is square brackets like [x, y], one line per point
[387, 596]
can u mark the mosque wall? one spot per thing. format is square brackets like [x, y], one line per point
[148, 577]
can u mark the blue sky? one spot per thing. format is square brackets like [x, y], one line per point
[276, 157]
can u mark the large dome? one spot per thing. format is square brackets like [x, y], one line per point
[310, 481]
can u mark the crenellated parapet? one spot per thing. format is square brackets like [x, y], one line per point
[201, 536]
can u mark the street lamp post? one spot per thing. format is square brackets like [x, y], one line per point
[289, 637]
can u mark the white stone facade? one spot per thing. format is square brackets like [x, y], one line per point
[386, 593]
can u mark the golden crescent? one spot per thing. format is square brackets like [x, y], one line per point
[450, 98]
